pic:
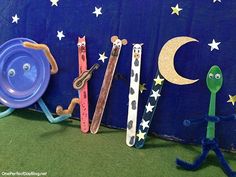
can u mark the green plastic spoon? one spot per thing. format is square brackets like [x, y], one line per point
[214, 82]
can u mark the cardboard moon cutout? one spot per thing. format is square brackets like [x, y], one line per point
[166, 60]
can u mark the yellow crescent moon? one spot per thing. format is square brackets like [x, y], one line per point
[166, 60]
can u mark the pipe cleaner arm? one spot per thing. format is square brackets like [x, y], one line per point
[228, 118]
[188, 122]
[213, 118]
[46, 51]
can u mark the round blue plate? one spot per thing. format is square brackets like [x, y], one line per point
[24, 74]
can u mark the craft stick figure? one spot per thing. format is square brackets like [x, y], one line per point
[133, 94]
[106, 85]
[214, 82]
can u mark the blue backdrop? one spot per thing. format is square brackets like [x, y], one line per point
[139, 21]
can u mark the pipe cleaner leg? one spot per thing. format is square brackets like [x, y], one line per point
[6, 113]
[207, 145]
[73, 103]
[197, 163]
[49, 115]
[223, 162]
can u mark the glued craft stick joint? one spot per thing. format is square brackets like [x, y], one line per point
[47, 52]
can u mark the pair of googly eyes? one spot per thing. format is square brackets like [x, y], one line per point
[12, 72]
[81, 44]
[217, 76]
[118, 45]
[137, 51]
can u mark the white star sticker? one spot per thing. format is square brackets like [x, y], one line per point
[60, 35]
[102, 57]
[140, 135]
[54, 2]
[15, 19]
[145, 124]
[149, 108]
[155, 94]
[97, 11]
[216, 1]
[214, 45]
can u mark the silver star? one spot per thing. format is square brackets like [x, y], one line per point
[15, 19]
[97, 11]
[155, 94]
[102, 57]
[149, 108]
[214, 45]
[60, 35]
[54, 2]
[145, 124]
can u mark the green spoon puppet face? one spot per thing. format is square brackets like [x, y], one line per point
[214, 79]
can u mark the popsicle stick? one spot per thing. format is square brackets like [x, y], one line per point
[83, 93]
[149, 110]
[106, 85]
[133, 94]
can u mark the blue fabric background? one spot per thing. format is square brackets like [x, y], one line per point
[139, 21]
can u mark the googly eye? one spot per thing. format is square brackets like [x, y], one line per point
[79, 44]
[211, 75]
[217, 76]
[11, 73]
[26, 67]
[83, 43]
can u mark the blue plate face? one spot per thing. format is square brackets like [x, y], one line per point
[24, 74]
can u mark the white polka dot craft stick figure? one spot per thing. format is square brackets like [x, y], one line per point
[133, 94]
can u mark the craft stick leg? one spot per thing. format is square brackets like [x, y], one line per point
[106, 85]
[49, 115]
[6, 113]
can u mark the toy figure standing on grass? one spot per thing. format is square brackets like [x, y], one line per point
[214, 82]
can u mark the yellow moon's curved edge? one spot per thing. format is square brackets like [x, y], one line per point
[166, 60]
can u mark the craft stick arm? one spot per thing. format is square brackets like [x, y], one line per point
[51, 59]
[74, 101]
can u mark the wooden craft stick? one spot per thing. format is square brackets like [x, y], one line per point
[133, 94]
[51, 59]
[106, 85]
[73, 103]
[83, 93]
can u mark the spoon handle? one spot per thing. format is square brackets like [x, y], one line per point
[211, 125]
